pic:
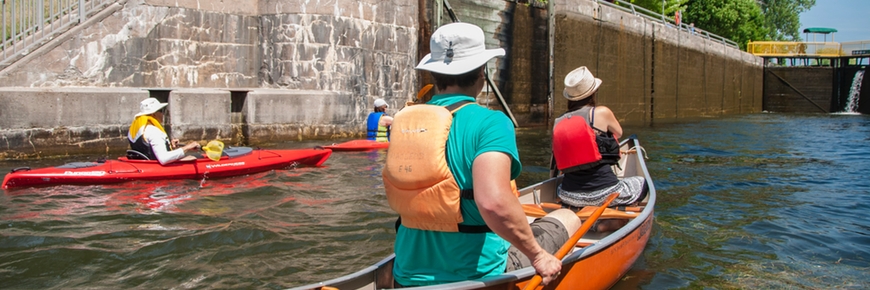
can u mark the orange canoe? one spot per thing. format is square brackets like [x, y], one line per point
[597, 261]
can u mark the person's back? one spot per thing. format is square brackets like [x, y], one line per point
[435, 257]
[148, 138]
[448, 175]
[378, 123]
[590, 183]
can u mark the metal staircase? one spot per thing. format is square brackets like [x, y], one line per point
[25, 25]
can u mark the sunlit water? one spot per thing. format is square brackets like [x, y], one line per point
[757, 201]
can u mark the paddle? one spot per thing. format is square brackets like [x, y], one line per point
[214, 150]
[423, 91]
[574, 239]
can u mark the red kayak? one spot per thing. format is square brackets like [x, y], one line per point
[358, 145]
[235, 161]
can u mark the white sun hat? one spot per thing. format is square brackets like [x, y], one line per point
[457, 48]
[380, 103]
[580, 84]
[149, 106]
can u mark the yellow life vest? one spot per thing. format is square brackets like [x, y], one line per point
[417, 179]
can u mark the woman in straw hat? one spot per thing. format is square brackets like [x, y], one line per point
[589, 184]
[148, 137]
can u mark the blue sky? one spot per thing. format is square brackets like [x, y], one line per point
[851, 19]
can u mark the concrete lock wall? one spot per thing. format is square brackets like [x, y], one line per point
[204, 57]
[799, 89]
[262, 71]
[651, 72]
[38, 122]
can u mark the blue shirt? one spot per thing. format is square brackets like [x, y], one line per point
[430, 257]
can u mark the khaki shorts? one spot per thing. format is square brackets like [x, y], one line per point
[550, 234]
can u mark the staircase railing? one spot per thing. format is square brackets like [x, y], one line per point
[28, 24]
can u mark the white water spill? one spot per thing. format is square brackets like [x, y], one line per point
[854, 93]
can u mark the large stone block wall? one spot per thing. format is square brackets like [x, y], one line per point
[651, 72]
[203, 53]
[273, 70]
[799, 89]
[522, 76]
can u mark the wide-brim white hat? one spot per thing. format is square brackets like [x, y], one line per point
[580, 84]
[380, 103]
[149, 106]
[457, 48]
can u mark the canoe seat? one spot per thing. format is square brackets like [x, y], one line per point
[136, 155]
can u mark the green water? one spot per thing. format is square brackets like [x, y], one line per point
[759, 201]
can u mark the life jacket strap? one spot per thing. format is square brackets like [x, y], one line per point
[462, 228]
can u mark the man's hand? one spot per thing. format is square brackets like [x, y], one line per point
[174, 143]
[191, 146]
[547, 266]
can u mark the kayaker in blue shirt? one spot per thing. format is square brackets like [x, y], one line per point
[148, 137]
[378, 123]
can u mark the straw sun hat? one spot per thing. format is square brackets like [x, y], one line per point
[580, 84]
[457, 48]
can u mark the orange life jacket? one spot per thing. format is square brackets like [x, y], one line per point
[417, 179]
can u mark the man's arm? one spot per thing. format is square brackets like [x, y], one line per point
[503, 213]
[157, 140]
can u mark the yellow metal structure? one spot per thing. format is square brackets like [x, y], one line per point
[856, 47]
[790, 49]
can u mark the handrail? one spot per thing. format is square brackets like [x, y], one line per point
[667, 21]
[27, 24]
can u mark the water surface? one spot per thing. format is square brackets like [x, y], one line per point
[755, 201]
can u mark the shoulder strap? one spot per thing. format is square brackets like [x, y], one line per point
[456, 106]
[592, 117]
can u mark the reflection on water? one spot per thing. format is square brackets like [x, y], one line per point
[757, 201]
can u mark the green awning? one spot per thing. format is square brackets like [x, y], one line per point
[819, 30]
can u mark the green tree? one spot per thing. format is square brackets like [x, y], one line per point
[739, 20]
[782, 17]
[670, 6]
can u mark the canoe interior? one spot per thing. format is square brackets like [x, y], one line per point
[601, 260]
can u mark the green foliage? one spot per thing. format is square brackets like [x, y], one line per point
[670, 7]
[782, 17]
[739, 20]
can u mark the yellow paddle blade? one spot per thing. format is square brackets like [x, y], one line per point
[214, 149]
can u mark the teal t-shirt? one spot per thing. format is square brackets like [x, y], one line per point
[430, 257]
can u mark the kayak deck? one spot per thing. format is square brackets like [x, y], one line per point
[123, 169]
[358, 145]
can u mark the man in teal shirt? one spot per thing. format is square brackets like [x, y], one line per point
[482, 156]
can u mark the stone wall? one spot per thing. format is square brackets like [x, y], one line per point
[255, 71]
[799, 89]
[204, 57]
[651, 72]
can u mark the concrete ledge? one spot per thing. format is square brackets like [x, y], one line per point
[278, 115]
[200, 114]
[68, 107]
[37, 122]
[96, 120]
